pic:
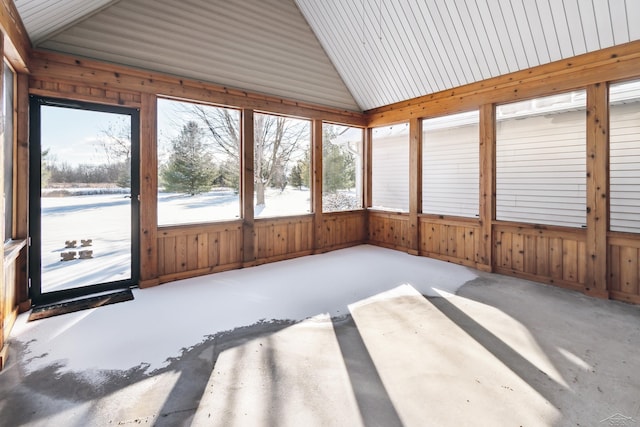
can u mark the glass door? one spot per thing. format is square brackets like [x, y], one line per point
[84, 206]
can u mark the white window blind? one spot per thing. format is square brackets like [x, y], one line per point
[624, 157]
[540, 160]
[390, 168]
[450, 165]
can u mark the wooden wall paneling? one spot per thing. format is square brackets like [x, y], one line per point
[444, 239]
[582, 262]
[469, 244]
[316, 179]
[83, 92]
[453, 240]
[531, 255]
[16, 45]
[273, 241]
[570, 260]
[149, 250]
[487, 188]
[452, 234]
[505, 249]
[517, 252]
[461, 245]
[548, 255]
[543, 257]
[224, 247]
[342, 229]
[389, 229]
[71, 69]
[629, 270]
[415, 185]
[614, 268]
[246, 181]
[555, 252]
[181, 253]
[169, 255]
[597, 189]
[192, 248]
[624, 267]
[202, 250]
[213, 251]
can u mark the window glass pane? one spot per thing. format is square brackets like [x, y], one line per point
[341, 168]
[624, 156]
[7, 126]
[198, 163]
[450, 165]
[282, 166]
[390, 168]
[541, 160]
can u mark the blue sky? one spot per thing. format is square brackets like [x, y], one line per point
[73, 136]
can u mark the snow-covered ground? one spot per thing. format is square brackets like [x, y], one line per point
[106, 220]
[139, 333]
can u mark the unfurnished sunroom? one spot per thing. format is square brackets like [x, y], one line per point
[150, 141]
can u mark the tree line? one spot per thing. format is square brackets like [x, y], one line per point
[205, 154]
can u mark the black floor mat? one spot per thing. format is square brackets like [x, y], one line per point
[59, 308]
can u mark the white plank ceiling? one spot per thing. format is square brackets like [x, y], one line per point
[350, 54]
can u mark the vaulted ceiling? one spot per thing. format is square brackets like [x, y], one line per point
[347, 54]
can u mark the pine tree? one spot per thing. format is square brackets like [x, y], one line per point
[190, 168]
[339, 168]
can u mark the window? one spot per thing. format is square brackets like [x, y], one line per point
[540, 160]
[390, 168]
[282, 166]
[198, 163]
[7, 126]
[450, 165]
[624, 156]
[341, 168]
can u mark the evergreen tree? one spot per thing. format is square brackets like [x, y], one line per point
[338, 161]
[300, 173]
[190, 168]
[339, 168]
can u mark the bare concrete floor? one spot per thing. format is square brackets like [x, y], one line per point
[500, 352]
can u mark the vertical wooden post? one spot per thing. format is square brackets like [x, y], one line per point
[316, 186]
[246, 179]
[487, 185]
[148, 191]
[597, 189]
[21, 187]
[415, 184]
[366, 177]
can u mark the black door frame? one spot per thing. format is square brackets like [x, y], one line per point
[35, 229]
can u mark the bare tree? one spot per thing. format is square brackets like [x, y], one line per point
[116, 143]
[277, 141]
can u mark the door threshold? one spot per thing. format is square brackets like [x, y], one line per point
[83, 303]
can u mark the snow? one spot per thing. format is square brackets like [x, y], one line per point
[163, 320]
[106, 219]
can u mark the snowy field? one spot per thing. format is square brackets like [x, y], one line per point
[106, 220]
